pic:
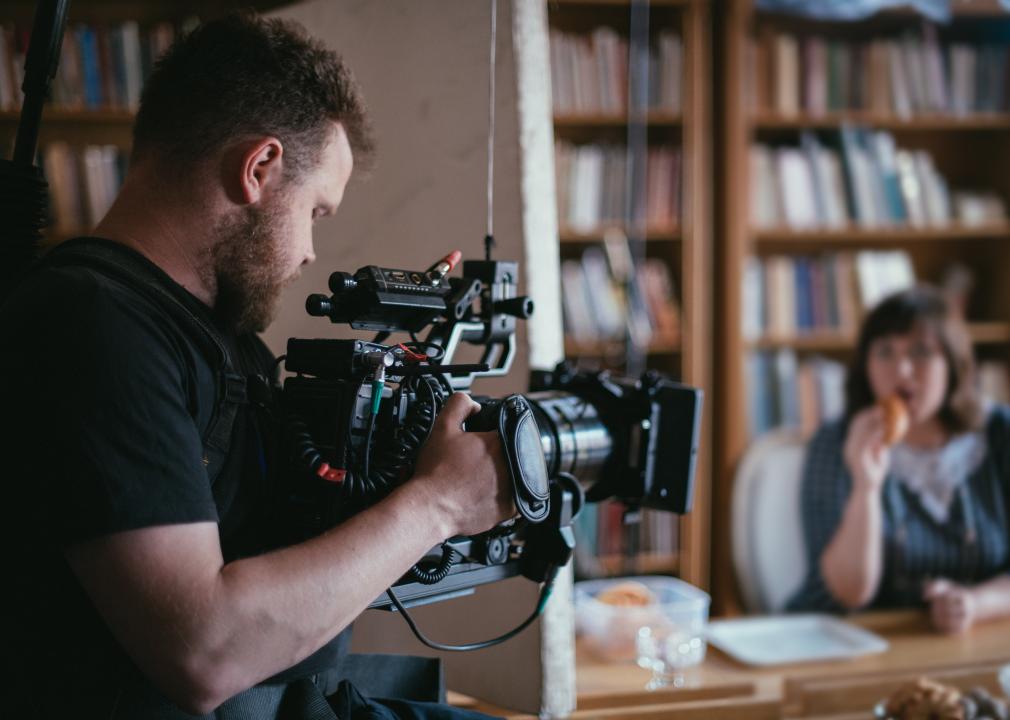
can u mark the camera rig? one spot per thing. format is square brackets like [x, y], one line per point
[355, 414]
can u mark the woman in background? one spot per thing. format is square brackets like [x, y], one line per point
[923, 520]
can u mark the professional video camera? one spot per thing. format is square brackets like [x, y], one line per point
[356, 413]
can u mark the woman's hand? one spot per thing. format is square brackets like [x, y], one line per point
[952, 607]
[865, 453]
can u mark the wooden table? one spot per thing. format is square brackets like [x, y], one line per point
[724, 689]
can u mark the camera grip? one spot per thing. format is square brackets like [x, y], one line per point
[517, 429]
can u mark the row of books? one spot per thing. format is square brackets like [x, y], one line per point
[589, 72]
[101, 66]
[790, 296]
[857, 176]
[600, 531]
[592, 183]
[601, 303]
[83, 182]
[906, 76]
[786, 391]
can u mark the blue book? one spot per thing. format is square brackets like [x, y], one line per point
[882, 148]
[804, 294]
[88, 44]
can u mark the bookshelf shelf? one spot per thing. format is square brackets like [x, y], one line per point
[883, 235]
[982, 333]
[966, 123]
[655, 118]
[590, 4]
[660, 346]
[645, 564]
[651, 235]
[56, 115]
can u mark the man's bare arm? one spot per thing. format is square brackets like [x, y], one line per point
[204, 631]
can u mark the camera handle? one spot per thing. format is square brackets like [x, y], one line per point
[549, 544]
[498, 356]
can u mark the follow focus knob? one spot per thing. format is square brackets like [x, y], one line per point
[341, 282]
[318, 305]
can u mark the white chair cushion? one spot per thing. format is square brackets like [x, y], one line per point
[769, 552]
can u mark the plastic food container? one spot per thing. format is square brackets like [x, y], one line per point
[669, 631]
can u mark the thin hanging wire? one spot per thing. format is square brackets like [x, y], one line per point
[635, 177]
[490, 125]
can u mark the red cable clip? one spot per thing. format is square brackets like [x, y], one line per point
[334, 475]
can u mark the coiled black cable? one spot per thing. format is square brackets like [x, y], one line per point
[303, 447]
[439, 572]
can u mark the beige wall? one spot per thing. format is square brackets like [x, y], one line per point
[423, 69]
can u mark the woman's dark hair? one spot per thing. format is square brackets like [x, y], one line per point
[245, 75]
[901, 313]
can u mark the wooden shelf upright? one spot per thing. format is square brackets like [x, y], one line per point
[686, 248]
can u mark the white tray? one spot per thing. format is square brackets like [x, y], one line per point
[782, 639]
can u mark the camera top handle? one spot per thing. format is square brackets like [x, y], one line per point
[479, 308]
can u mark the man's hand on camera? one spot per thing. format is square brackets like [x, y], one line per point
[464, 473]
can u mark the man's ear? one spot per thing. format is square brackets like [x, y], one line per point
[260, 168]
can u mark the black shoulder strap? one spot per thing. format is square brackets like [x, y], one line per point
[119, 262]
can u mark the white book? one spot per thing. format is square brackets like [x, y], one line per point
[866, 188]
[935, 72]
[837, 215]
[587, 184]
[92, 175]
[796, 188]
[882, 273]
[753, 299]
[130, 33]
[786, 371]
[912, 192]
[915, 71]
[900, 92]
[764, 203]
[830, 377]
[578, 319]
[605, 304]
[936, 199]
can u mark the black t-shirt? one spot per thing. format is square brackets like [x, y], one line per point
[105, 397]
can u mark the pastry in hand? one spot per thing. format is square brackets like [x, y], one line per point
[895, 419]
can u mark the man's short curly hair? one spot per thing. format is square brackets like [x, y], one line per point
[244, 75]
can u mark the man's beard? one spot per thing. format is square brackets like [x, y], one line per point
[249, 262]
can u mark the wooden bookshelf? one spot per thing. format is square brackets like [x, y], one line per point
[982, 333]
[657, 235]
[616, 348]
[686, 248]
[807, 239]
[956, 143]
[643, 564]
[655, 119]
[949, 123]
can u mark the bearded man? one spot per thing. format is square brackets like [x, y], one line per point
[145, 577]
